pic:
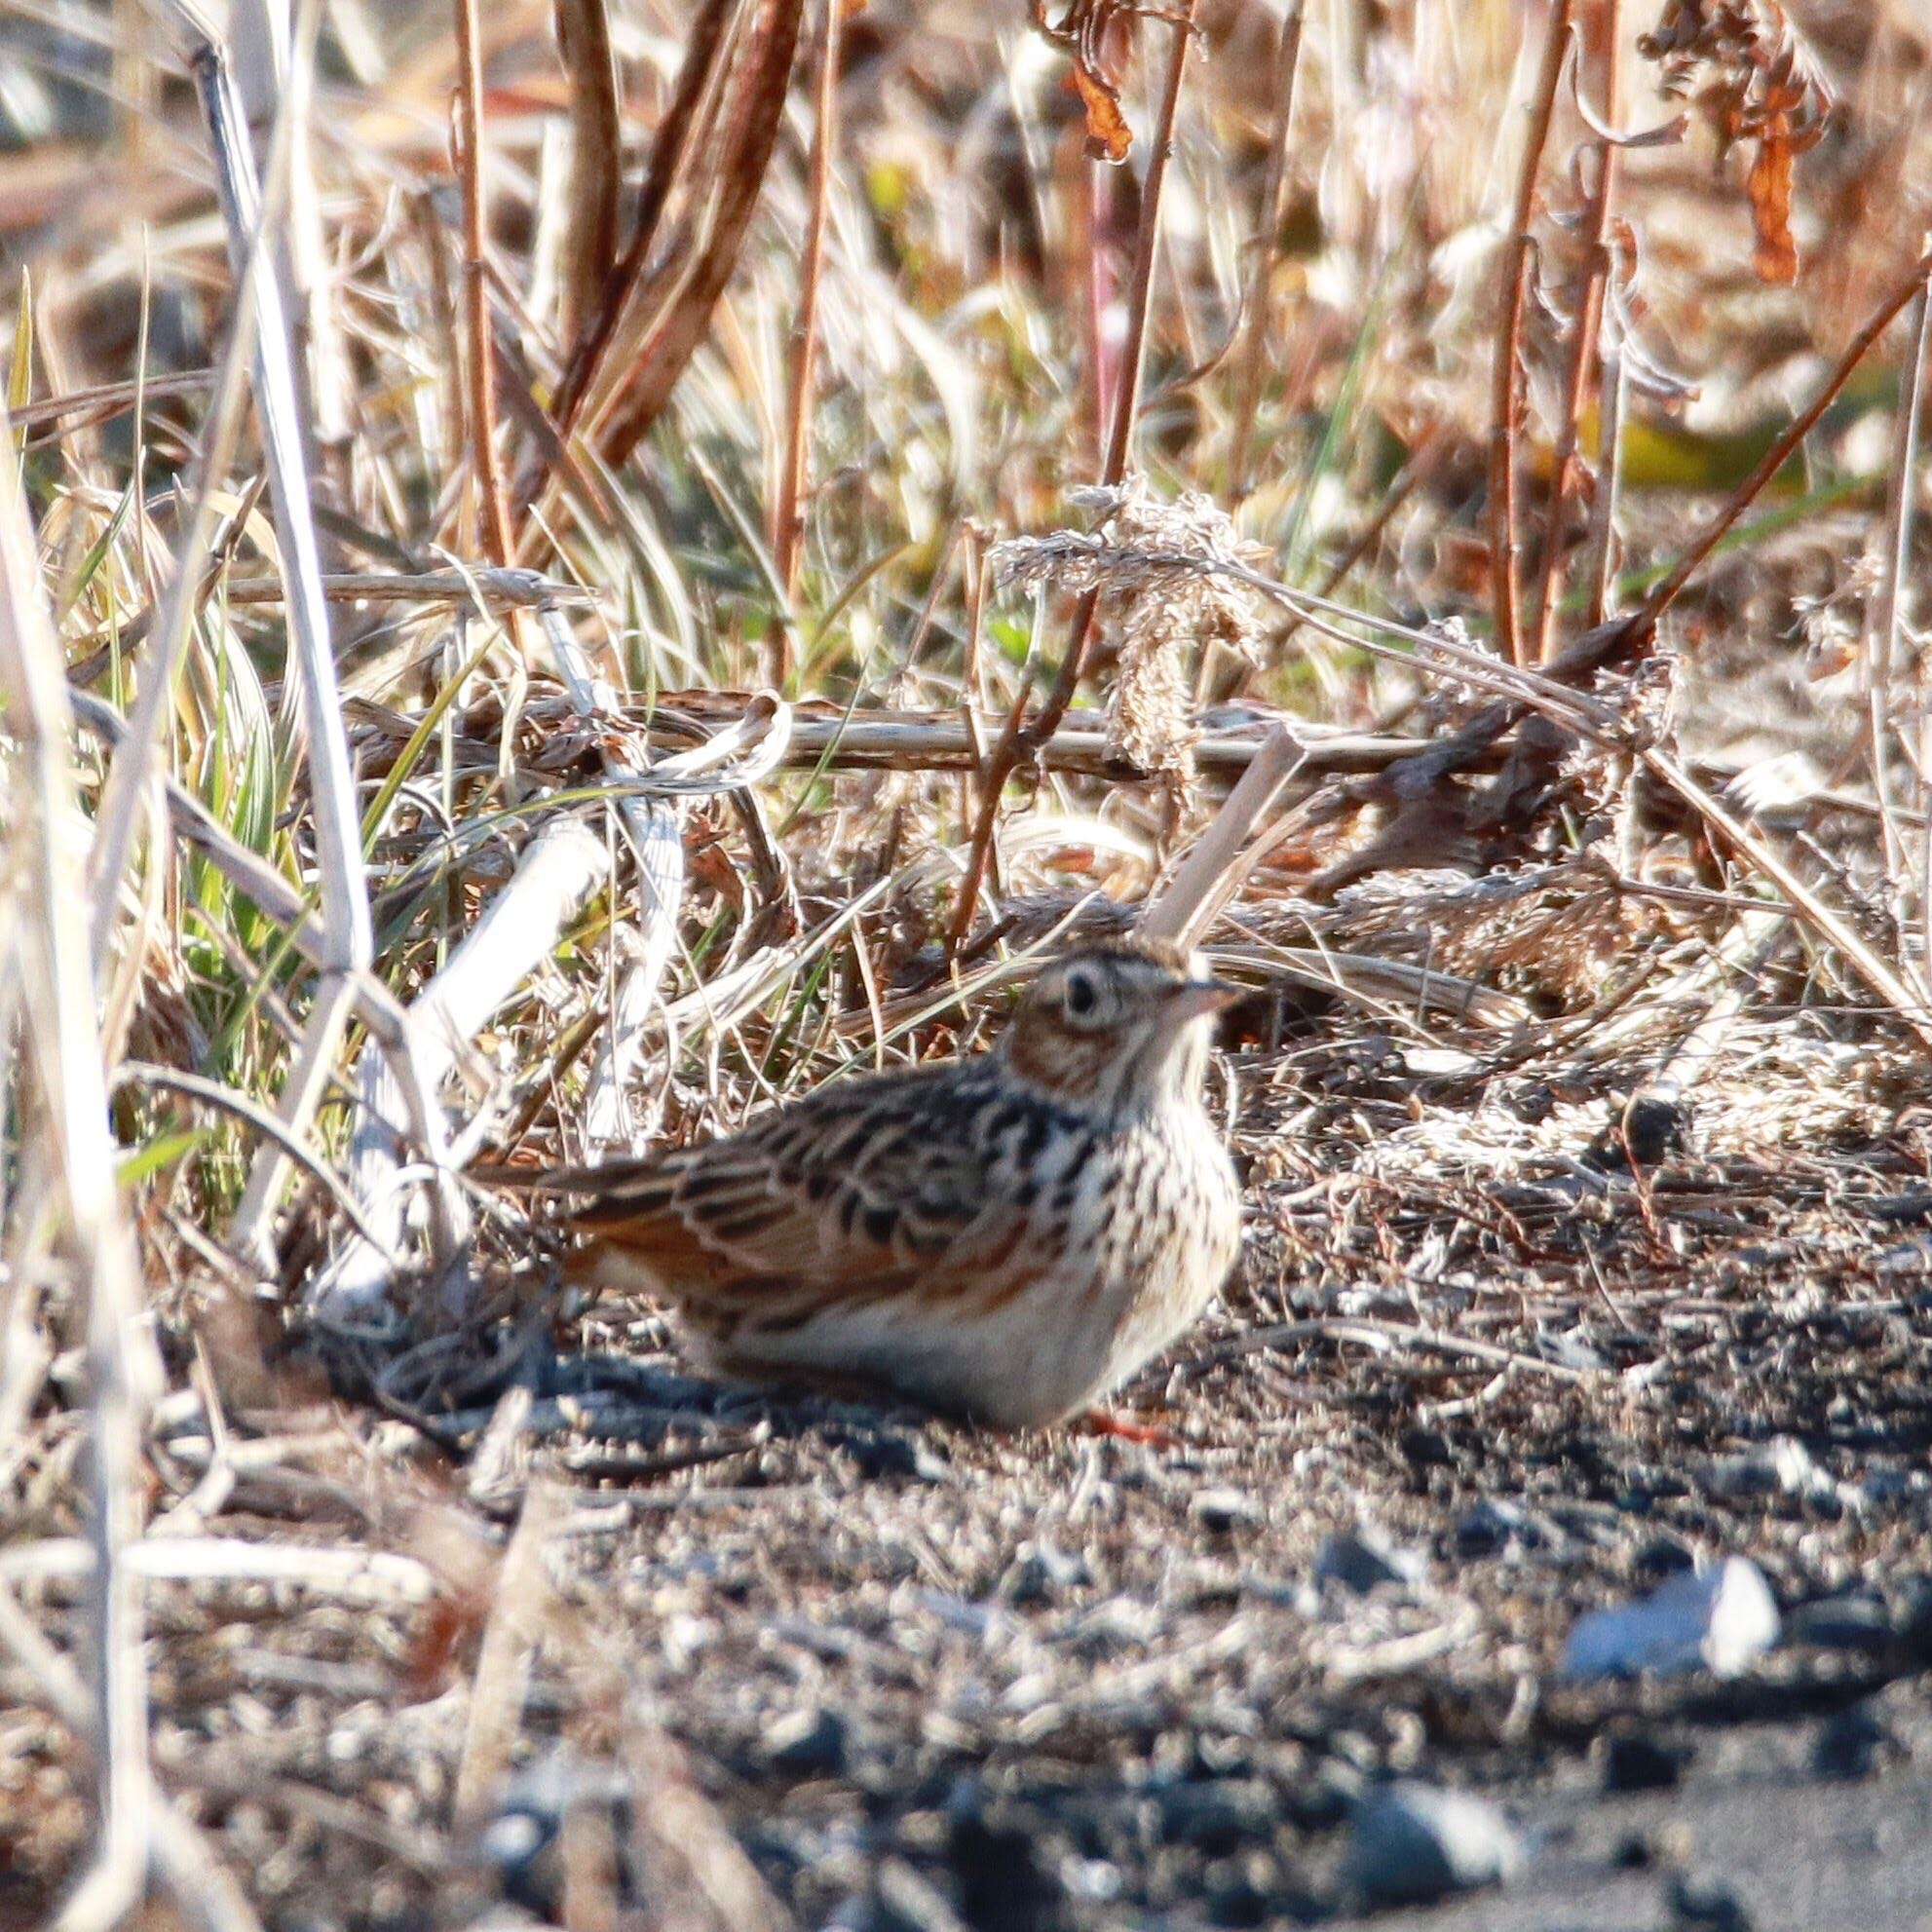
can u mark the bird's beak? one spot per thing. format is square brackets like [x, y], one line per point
[1196, 996]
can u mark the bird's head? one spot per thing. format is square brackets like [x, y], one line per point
[1116, 1027]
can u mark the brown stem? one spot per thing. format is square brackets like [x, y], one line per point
[1265, 243]
[1579, 382]
[788, 514]
[761, 78]
[596, 163]
[668, 151]
[1506, 401]
[1638, 627]
[1022, 741]
[493, 511]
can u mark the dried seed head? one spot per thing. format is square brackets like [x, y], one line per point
[1161, 573]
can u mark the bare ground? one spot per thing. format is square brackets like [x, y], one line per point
[1067, 1680]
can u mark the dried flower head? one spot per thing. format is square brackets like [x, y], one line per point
[1162, 574]
[1750, 76]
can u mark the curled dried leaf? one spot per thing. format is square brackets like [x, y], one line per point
[1748, 76]
[1081, 32]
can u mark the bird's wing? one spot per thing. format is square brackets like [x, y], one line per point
[851, 1195]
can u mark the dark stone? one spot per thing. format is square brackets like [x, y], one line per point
[1635, 1762]
[1852, 1744]
[1914, 1621]
[1428, 1448]
[1360, 1562]
[1650, 1128]
[812, 1743]
[1662, 1556]
[1216, 1816]
[1004, 1883]
[1494, 1525]
[1413, 1843]
[1040, 1572]
[881, 1453]
[1706, 1905]
[1221, 1512]
[1860, 1624]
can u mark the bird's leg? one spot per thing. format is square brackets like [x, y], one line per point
[1103, 1421]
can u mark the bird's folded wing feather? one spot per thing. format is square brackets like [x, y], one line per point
[852, 1193]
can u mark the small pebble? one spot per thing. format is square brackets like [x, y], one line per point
[1852, 1744]
[1705, 1905]
[1635, 1762]
[1040, 1572]
[1414, 1842]
[1361, 1561]
[812, 1743]
[1221, 1512]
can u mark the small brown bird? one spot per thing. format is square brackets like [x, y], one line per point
[1004, 1238]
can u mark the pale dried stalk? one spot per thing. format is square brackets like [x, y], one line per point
[313, 694]
[1829, 926]
[554, 875]
[48, 944]
[139, 758]
[519, 1608]
[651, 828]
[1739, 956]
[1204, 881]
[1885, 621]
[354, 1575]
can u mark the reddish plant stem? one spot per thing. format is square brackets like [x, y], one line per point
[493, 514]
[1885, 620]
[1580, 383]
[1020, 742]
[1637, 629]
[1506, 401]
[788, 514]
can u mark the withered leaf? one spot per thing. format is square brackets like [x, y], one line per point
[1079, 32]
[1750, 76]
[1108, 135]
[1775, 257]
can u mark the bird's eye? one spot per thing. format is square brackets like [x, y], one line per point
[1082, 995]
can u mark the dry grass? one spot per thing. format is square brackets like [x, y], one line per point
[616, 631]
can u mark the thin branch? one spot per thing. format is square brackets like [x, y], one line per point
[493, 512]
[788, 513]
[1637, 627]
[1507, 400]
[1022, 742]
[1587, 336]
[48, 940]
